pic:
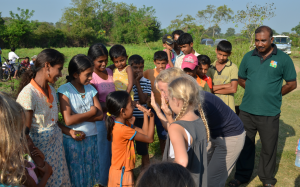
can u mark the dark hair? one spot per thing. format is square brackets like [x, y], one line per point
[27, 57]
[178, 32]
[224, 46]
[97, 50]
[185, 38]
[115, 101]
[160, 55]
[204, 60]
[135, 59]
[264, 28]
[51, 56]
[12, 49]
[79, 63]
[166, 174]
[117, 51]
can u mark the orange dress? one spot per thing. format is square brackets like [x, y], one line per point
[123, 156]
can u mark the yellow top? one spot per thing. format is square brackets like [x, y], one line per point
[121, 80]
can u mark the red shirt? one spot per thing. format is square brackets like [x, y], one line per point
[208, 80]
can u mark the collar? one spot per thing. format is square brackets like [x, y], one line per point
[228, 64]
[36, 86]
[274, 52]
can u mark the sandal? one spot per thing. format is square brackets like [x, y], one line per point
[234, 183]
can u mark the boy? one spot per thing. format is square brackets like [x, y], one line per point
[204, 64]
[168, 44]
[160, 61]
[25, 63]
[141, 88]
[185, 42]
[175, 35]
[224, 75]
[33, 59]
[189, 66]
[12, 57]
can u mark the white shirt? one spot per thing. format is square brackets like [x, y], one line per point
[31, 63]
[179, 60]
[12, 57]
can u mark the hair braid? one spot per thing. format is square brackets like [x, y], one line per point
[204, 121]
[183, 109]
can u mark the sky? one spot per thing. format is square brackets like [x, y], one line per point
[287, 14]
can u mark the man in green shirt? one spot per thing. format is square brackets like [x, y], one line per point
[261, 73]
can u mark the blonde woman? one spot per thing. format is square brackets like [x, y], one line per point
[15, 170]
[227, 135]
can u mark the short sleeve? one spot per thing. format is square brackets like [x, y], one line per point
[234, 73]
[146, 74]
[93, 90]
[26, 98]
[127, 132]
[148, 87]
[242, 73]
[289, 72]
[64, 90]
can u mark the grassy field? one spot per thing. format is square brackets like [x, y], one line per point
[287, 173]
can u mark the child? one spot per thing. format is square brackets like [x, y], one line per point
[80, 108]
[160, 61]
[141, 89]
[224, 75]
[104, 84]
[204, 64]
[122, 73]
[122, 133]
[189, 66]
[39, 100]
[25, 63]
[188, 134]
[166, 174]
[185, 42]
[13, 163]
[175, 36]
[12, 57]
[168, 44]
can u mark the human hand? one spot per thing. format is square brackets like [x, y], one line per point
[165, 107]
[169, 48]
[145, 110]
[131, 120]
[77, 135]
[37, 152]
[154, 105]
[46, 170]
[139, 76]
[93, 110]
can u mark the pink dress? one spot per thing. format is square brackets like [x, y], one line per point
[31, 172]
[103, 87]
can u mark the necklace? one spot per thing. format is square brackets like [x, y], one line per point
[82, 94]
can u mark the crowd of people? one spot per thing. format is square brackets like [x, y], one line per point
[110, 113]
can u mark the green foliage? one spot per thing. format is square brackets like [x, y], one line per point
[297, 29]
[253, 17]
[230, 32]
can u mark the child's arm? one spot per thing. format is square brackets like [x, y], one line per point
[99, 115]
[142, 96]
[47, 171]
[176, 133]
[76, 135]
[146, 134]
[71, 119]
[224, 89]
[130, 79]
[112, 67]
[169, 58]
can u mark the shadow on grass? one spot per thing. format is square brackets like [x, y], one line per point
[285, 131]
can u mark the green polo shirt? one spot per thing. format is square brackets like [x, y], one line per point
[226, 75]
[264, 81]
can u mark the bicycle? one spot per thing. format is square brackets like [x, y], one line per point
[8, 70]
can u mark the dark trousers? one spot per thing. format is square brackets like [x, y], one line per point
[0, 70]
[268, 128]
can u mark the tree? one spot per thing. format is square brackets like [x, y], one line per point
[222, 15]
[181, 23]
[274, 32]
[297, 29]
[285, 33]
[214, 30]
[230, 32]
[253, 17]
[18, 29]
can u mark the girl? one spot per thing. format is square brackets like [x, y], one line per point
[122, 133]
[80, 108]
[15, 170]
[102, 80]
[122, 73]
[39, 100]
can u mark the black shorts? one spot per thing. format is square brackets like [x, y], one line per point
[141, 147]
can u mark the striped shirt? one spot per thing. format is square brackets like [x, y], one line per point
[146, 87]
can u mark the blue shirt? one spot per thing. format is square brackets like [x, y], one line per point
[80, 105]
[222, 121]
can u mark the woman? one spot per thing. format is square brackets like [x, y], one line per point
[39, 100]
[227, 135]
